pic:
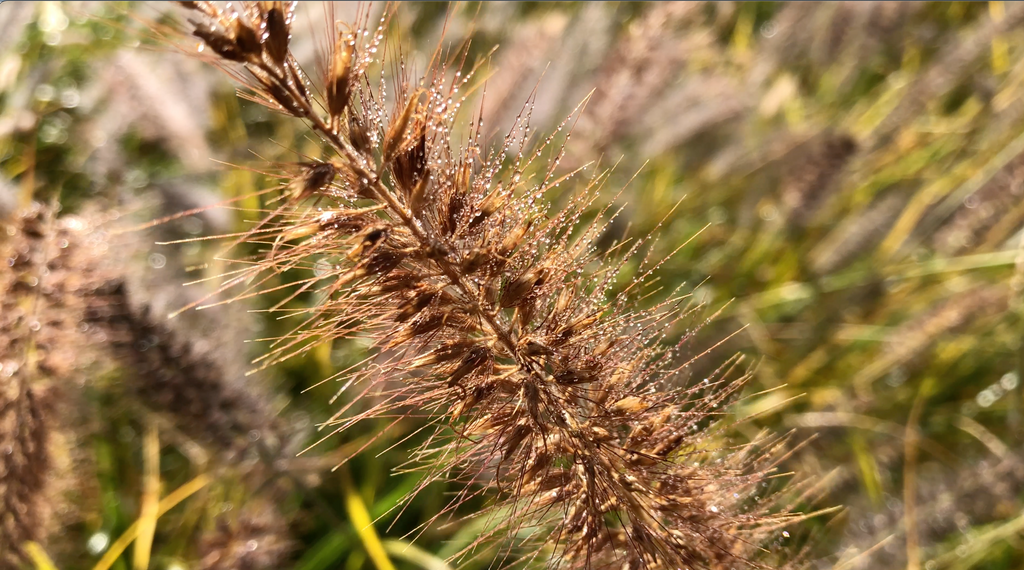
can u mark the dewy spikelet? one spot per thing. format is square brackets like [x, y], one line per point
[549, 382]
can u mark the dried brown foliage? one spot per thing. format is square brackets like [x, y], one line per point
[491, 315]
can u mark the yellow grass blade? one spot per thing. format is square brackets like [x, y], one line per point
[363, 524]
[168, 503]
[39, 557]
[150, 497]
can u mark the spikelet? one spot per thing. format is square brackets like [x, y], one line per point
[339, 82]
[64, 306]
[52, 265]
[549, 385]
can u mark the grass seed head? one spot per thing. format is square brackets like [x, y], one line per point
[550, 386]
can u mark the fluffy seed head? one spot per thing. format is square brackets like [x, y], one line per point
[551, 386]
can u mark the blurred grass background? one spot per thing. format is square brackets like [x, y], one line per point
[853, 174]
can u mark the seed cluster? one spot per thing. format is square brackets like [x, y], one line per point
[65, 319]
[548, 385]
[24, 464]
[49, 267]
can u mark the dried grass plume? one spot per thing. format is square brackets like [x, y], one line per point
[491, 313]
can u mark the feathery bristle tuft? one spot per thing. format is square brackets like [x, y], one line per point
[550, 385]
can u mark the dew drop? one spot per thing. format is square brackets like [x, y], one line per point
[1009, 381]
[97, 543]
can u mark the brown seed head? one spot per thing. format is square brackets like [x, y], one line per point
[276, 33]
[549, 386]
